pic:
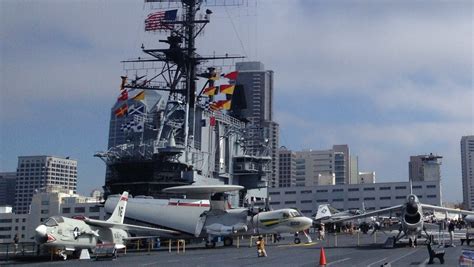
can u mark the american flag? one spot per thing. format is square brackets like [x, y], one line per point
[157, 21]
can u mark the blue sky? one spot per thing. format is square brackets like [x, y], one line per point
[390, 79]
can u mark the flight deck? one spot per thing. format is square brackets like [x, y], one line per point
[369, 252]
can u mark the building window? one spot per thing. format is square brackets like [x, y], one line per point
[79, 209]
[290, 192]
[275, 203]
[322, 191]
[417, 187]
[369, 189]
[290, 202]
[66, 210]
[400, 197]
[321, 200]
[44, 211]
[400, 187]
[431, 196]
[431, 186]
[338, 200]
[94, 209]
[338, 190]
[385, 188]
[385, 198]
[306, 201]
[306, 192]
[369, 198]
[353, 199]
[274, 193]
[307, 211]
[353, 189]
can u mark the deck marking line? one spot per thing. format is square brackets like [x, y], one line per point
[401, 257]
[376, 262]
[329, 264]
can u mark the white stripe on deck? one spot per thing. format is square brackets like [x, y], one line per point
[341, 260]
[376, 262]
[401, 257]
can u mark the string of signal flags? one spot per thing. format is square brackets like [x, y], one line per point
[227, 89]
[123, 97]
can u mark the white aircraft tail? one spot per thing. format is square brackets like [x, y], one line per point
[323, 212]
[119, 212]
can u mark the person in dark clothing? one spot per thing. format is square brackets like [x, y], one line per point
[16, 240]
[451, 232]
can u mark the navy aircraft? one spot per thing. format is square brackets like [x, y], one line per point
[411, 223]
[208, 215]
[68, 235]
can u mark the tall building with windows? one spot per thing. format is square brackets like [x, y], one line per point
[287, 168]
[425, 168]
[262, 130]
[7, 186]
[36, 172]
[312, 165]
[467, 165]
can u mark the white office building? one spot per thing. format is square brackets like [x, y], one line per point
[467, 166]
[351, 196]
[36, 172]
[44, 204]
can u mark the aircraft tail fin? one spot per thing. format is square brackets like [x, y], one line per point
[323, 212]
[119, 212]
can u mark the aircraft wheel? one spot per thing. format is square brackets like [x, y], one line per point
[297, 240]
[228, 241]
[210, 244]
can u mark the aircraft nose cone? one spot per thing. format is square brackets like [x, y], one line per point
[41, 234]
[307, 222]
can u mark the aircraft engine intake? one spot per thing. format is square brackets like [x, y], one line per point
[412, 218]
[412, 208]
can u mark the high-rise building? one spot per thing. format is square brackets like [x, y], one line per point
[262, 131]
[311, 165]
[36, 172]
[425, 168]
[7, 186]
[287, 168]
[467, 165]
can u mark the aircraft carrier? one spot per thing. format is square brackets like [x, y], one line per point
[348, 250]
[165, 130]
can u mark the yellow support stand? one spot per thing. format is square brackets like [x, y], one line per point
[183, 243]
[169, 246]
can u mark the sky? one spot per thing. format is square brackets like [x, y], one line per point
[389, 78]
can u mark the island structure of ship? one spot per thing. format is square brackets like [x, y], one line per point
[178, 119]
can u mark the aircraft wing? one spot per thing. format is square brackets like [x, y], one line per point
[370, 214]
[455, 211]
[132, 228]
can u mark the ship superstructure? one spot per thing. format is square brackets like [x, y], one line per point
[170, 126]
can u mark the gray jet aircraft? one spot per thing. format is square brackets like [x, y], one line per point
[411, 219]
[69, 235]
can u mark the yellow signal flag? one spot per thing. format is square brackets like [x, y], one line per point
[140, 96]
[226, 104]
[210, 91]
[227, 89]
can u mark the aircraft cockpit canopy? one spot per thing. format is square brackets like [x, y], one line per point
[291, 214]
[53, 221]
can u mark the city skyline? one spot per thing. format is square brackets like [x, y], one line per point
[391, 80]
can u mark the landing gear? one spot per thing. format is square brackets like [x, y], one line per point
[62, 254]
[228, 241]
[210, 244]
[412, 242]
[297, 240]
